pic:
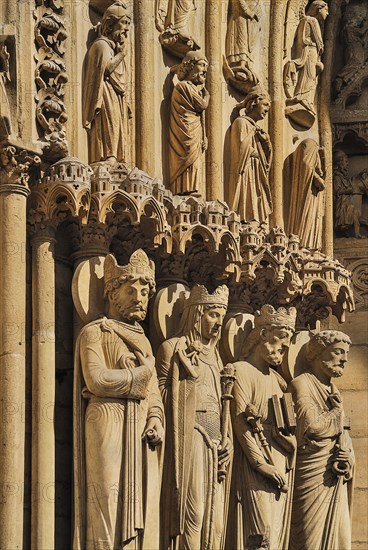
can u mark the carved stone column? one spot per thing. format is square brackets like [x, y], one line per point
[325, 129]
[43, 387]
[13, 197]
[144, 85]
[214, 176]
[277, 111]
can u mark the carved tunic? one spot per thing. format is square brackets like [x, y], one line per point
[258, 513]
[194, 508]
[240, 32]
[307, 195]
[111, 462]
[105, 111]
[322, 500]
[178, 13]
[308, 51]
[344, 208]
[248, 186]
[186, 137]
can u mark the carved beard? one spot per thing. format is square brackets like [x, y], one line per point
[334, 370]
[130, 312]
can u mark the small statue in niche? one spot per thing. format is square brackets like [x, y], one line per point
[248, 189]
[355, 35]
[301, 73]
[306, 210]
[264, 447]
[359, 199]
[117, 432]
[243, 16]
[347, 215]
[105, 108]
[5, 120]
[189, 368]
[187, 131]
[321, 516]
[172, 17]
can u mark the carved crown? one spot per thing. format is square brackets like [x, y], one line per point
[269, 316]
[139, 265]
[199, 295]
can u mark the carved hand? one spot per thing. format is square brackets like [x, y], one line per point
[335, 401]
[272, 473]
[147, 361]
[153, 432]
[224, 453]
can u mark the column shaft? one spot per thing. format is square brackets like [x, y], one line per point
[276, 120]
[214, 184]
[12, 363]
[144, 85]
[43, 392]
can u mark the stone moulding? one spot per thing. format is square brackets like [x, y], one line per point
[111, 206]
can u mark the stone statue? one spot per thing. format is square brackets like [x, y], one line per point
[301, 73]
[105, 110]
[172, 17]
[187, 133]
[240, 37]
[359, 199]
[189, 368]
[325, 458]
[5, 124]
[346, 213]
[264, 449]
[306, 208]
[354, 35]
[118, 416]
[248, 189]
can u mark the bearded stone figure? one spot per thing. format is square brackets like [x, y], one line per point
[105, 110]
[188, 367]
[187, 133]
[301, 73]
[248, 189]
[118, 418]
[264, 450]
[321, 516]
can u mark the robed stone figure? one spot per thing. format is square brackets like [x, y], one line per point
[187, 133]
[321, 516]
[188, 366]
[248, 190]
[105, 110]
[118, 418]
[264, 454]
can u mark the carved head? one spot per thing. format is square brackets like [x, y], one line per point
[273, 329]
[318, 8]
[341, 161]
[129, 287]
[327, 352]
[193, 68]
[203, 314]
[256, 104]
[115, 22]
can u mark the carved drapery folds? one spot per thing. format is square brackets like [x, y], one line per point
[106, 111]
[173, 22]
[51, 77]
[301, 72]
[243, 16]
[5, 118]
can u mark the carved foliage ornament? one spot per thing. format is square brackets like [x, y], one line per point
[50, 76]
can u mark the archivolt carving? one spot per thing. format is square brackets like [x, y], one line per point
[50, 76]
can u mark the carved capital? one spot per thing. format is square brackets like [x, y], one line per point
[15, 169]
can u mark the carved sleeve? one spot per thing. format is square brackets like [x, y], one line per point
[163, 367]
[242, 428]
[109, 382]
[155, 406]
